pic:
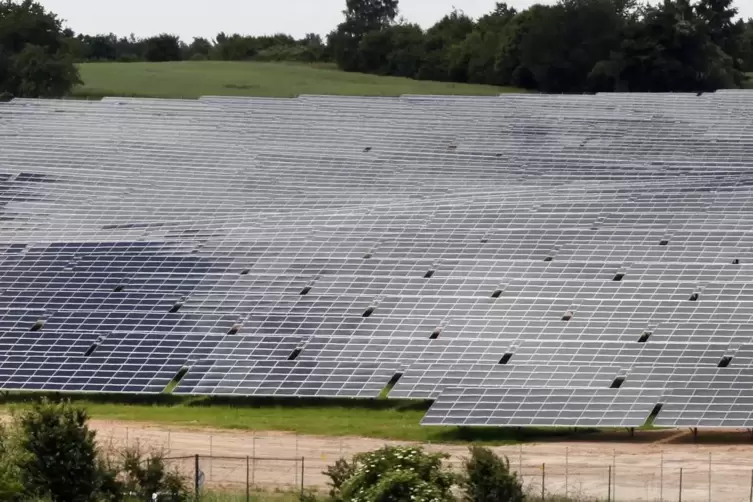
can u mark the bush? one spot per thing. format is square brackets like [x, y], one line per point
[487, 478]
[145, 475]
[338, 474]
[49, 453]
[11, 488]
[393, 474]
[55, 447]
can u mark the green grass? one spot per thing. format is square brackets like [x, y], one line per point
[197, 78]
[382, 419]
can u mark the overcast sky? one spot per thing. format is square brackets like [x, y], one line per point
[191, 18]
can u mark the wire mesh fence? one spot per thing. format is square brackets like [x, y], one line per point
[264, 462]
[254, 476]
[251, 476]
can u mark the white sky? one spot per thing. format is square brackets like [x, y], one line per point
[190, 18]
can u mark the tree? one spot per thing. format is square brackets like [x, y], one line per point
[368, 15]
[746, 49]
[314, 48]
[99, 47]
[361, 17]
[34, 58]
[487, 478]
[566, 41]
[669, 49]
[478, 52]
[163, 47]
[441, 41]
[395, 50]
[57, 447]
[507, 64]
[724, 31]
[40, 74]
[200, 48]
[343, 43]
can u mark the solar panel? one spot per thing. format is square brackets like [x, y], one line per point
[427, 380]
[503, 407]
[288, 378]
[537, 249]
[708, 408]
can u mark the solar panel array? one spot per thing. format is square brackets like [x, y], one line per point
[519, 259]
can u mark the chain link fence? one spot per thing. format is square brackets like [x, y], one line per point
[266, 462]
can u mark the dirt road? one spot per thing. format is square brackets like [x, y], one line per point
[647, 470]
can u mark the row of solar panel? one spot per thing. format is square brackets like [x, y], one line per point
[717, 408]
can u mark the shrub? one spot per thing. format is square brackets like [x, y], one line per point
[487, 478]
[397, 473]
[11, 488]
[338, 474]
[145, 475]
[55, 446]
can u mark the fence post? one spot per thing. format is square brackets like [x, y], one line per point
[543, 482]
[709, 476]
[211, 457]
[520, 458]
[248, 485]
[253, 455]
[196, 478]
[567, 469]
[614, 474]
[661, 477]
[680, 498]
[303, 471]
[609, 485]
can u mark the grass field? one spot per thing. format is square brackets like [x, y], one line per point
[193, 79]
[381, 419]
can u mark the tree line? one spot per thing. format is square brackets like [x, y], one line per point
[573, 46]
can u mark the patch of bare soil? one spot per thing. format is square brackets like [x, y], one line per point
[718, 466]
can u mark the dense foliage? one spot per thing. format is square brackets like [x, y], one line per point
[392, 474]
[35, 57]
[573, 46]
[49, 453]
[407, 473]
[487, 478]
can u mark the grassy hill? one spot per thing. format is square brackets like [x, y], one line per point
[197, 78]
